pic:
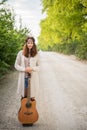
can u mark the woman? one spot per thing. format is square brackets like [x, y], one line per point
[27, 63]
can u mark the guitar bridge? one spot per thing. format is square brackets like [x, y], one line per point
[28, 113]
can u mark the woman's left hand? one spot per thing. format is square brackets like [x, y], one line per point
[28, 69]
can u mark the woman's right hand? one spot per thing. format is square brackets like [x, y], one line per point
[28, 69]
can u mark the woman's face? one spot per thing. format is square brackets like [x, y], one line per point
[30, 43]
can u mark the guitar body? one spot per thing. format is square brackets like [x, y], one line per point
[28, 113]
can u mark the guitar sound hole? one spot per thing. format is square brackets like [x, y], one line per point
[28, 104]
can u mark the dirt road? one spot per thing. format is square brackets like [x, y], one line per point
[62, 100]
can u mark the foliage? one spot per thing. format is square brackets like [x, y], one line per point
[63, 28]
[11, 38]
[81, 50]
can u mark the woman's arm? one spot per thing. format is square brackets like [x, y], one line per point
[17, 64]
[37, 67]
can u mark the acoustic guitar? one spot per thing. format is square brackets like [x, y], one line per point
[28, 113]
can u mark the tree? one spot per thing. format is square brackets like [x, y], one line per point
[65, 22]
[11, 38]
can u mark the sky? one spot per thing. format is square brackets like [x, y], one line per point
[30, 12]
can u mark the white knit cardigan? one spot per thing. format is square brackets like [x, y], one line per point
[20, 66]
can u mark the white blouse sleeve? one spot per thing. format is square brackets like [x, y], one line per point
[17, 64]
[37, 67]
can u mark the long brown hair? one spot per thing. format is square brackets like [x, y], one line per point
[33, 51]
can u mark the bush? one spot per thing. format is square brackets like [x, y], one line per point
[66, 48]
[81, 51]
[3, 68]
[71, 47]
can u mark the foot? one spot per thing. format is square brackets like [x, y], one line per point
[33, 99]
[23, 97]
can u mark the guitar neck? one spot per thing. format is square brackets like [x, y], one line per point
[29, 87]
[29, 84]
